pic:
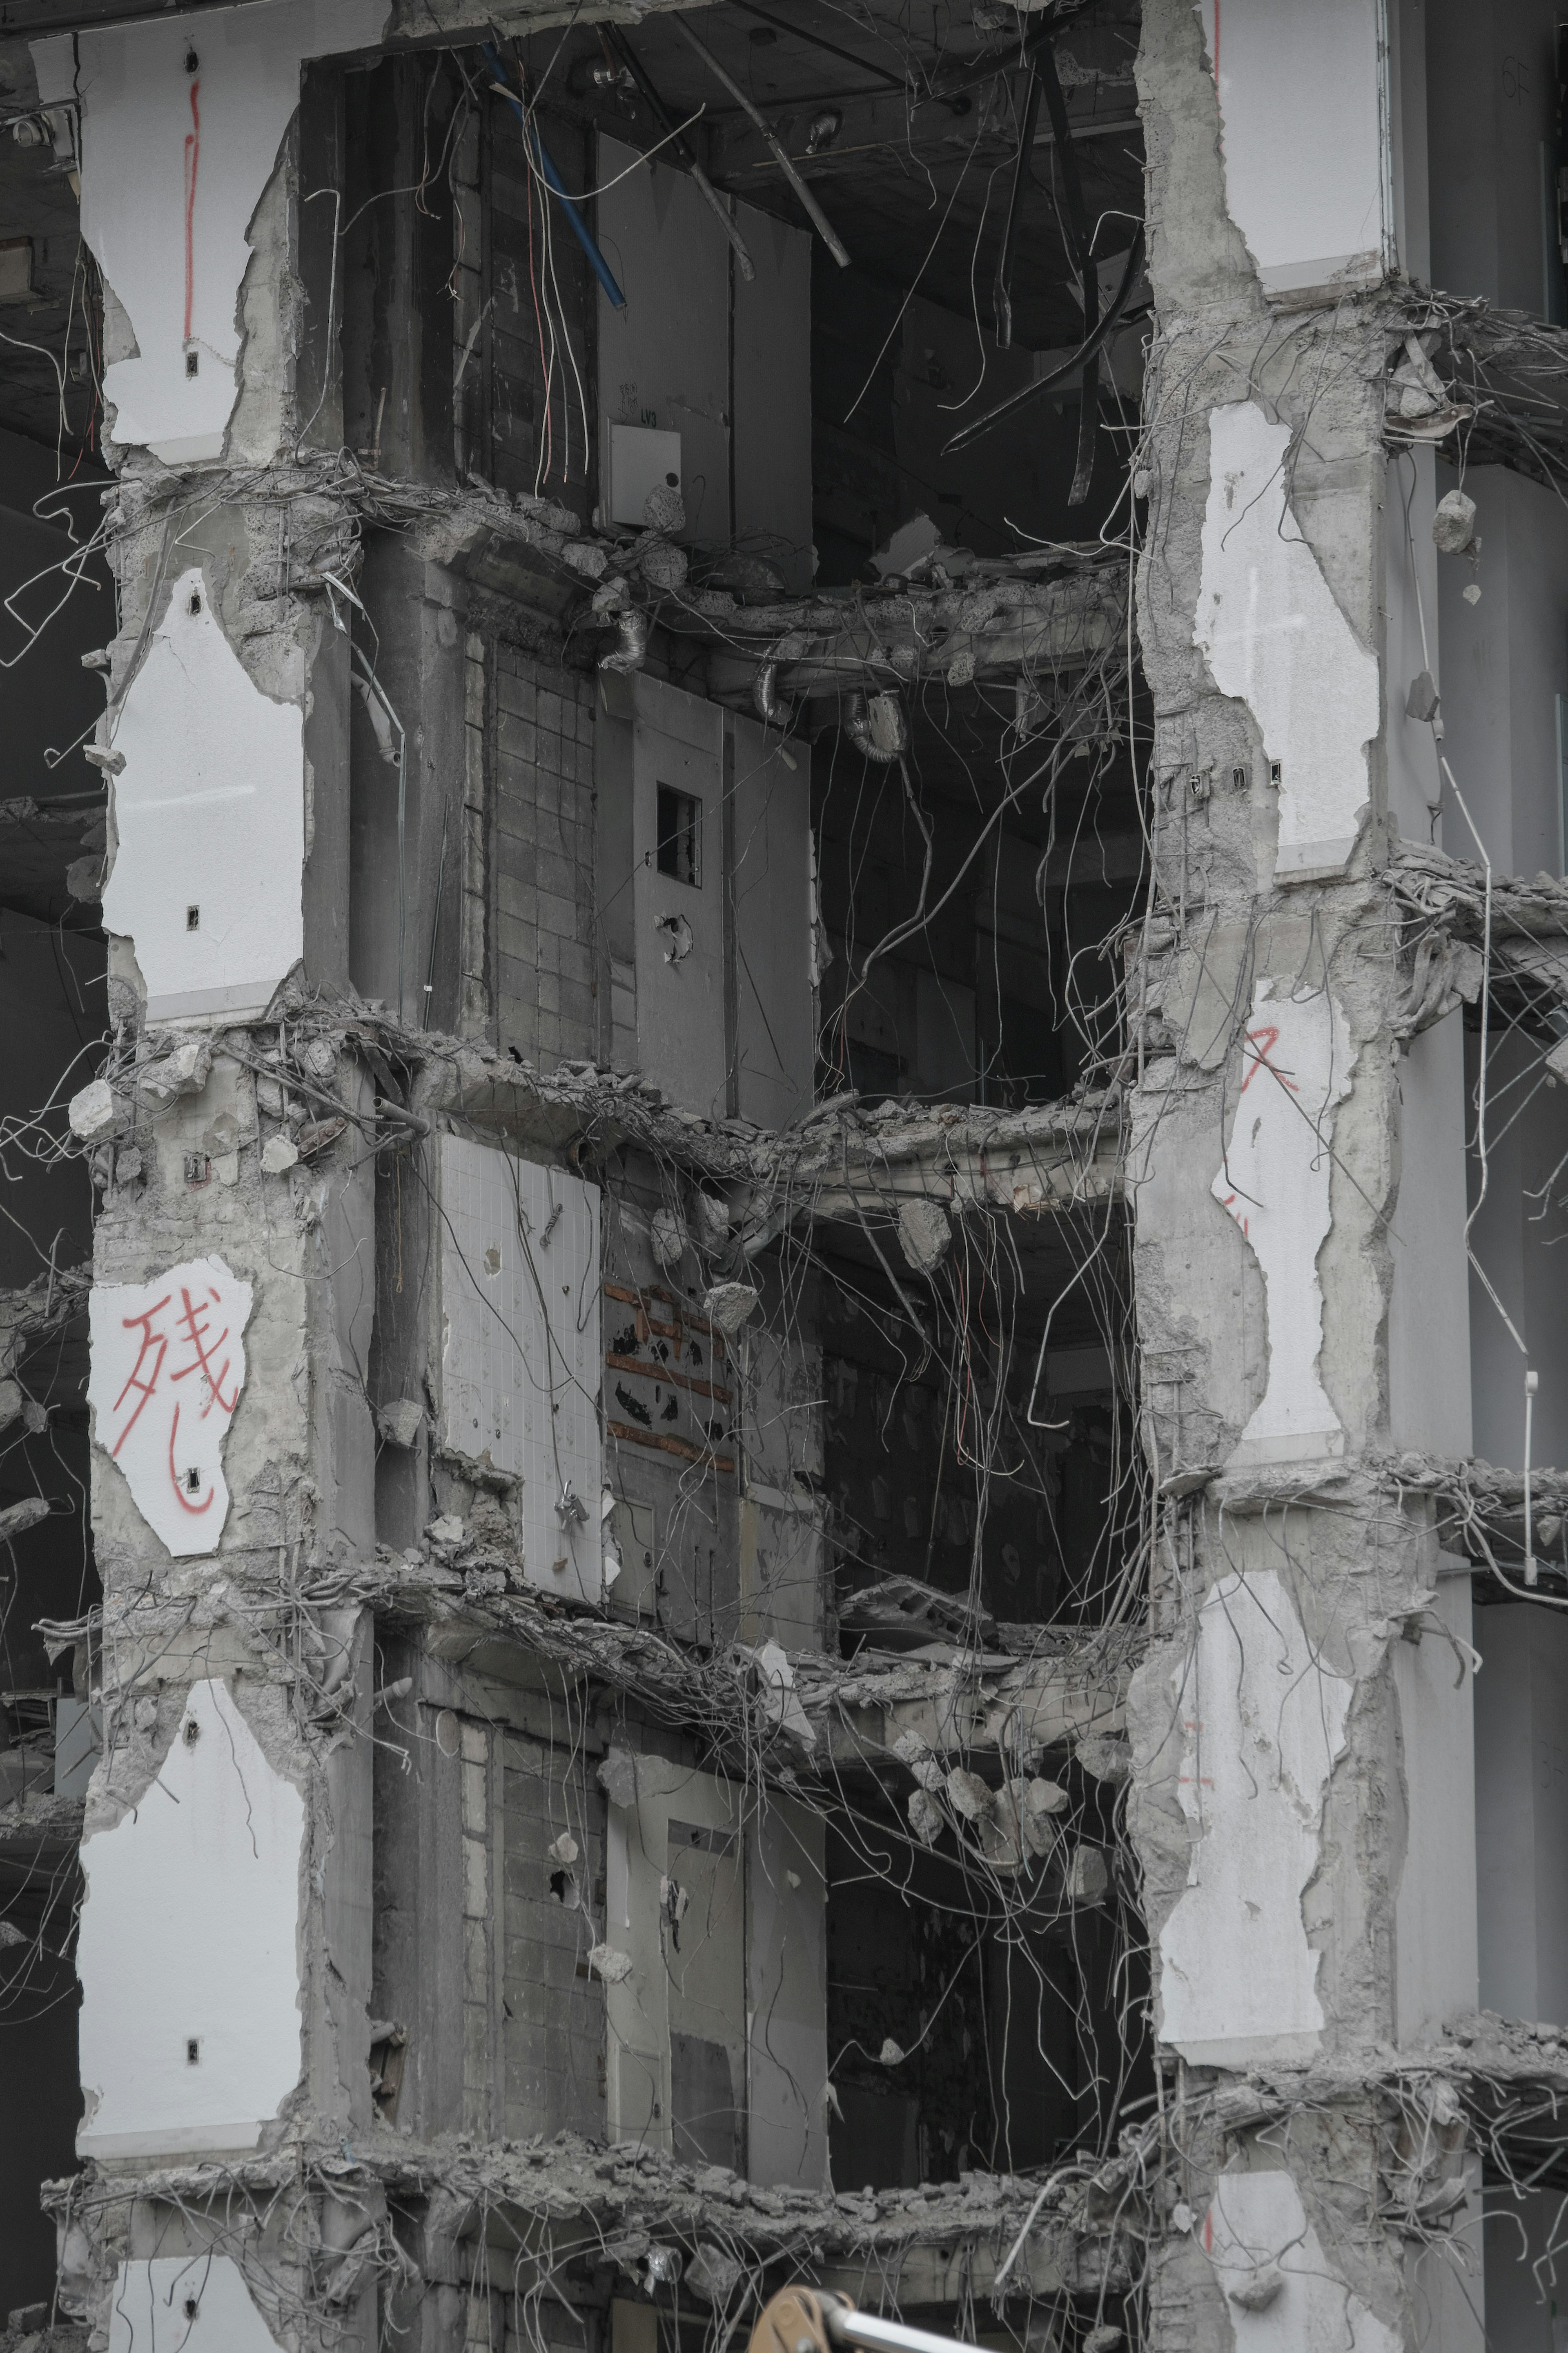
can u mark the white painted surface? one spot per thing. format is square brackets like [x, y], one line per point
[1434, 1921]
[1262, 1722]
[1255, 2221]
[1429, 1311]
[167, 1370]
[210, 813]
[775, 1040]
[1275, 640]
[1274, 1181]
[174, 165]
[149, 2314]
[1305, 182]
[189, 1930]
[677, 740]
[521, 1360]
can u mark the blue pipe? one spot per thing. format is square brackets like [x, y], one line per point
[551, 179]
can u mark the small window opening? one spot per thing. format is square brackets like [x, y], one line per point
[192, 61]
[1238, 780]
[190, 2307]
[197, 1169]
[192, 1483]
[193, 918]
[672, 481]
[681, 835]
[195, 603]
[1274, 769]
[193, 363]
[192, 2051]
[193, 1732]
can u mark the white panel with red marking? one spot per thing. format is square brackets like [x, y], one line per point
[1296, 1061]
[181, 121]
[168, 1366]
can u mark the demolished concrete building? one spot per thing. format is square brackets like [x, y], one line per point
[784, 929]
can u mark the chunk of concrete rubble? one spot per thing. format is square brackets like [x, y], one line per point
[185, 1072]
[401, 1421]
[278, 1154]
[728, 1305]
[446, 1532]
[1088, 1881]
[668, 1234]
[617, 1776]
[612, 1966]
[924, 1234]
[968, 1795]
[1107, 1755]
[92, 1113]
[712, 2276]
[1259, 2290]
[926, 1818]
[1454, 523]
[711, 1218]
[1038, 1803]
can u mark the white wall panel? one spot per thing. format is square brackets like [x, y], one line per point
[1306, 181]
[175, 156]
[521, 1345]
[190, 1978]
[679, 740]
[209, 820]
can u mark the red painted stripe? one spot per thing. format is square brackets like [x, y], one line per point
[193, 159]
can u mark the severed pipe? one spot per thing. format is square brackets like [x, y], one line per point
[1001, 293]
[823, 226]
[623, 48]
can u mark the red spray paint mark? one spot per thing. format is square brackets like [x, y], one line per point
[1265, 1040]
[193, 158]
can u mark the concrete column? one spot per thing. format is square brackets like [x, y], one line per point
[225, 1951]
[1307, 1917]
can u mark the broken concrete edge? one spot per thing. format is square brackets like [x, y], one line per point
[1426, 883]
[1013, 618]
[1048, 1155]
[1476, 356]
[610, 2201]
[1077, 1678]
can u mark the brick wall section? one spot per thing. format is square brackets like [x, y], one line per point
[542, 769]
[553, 2012]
